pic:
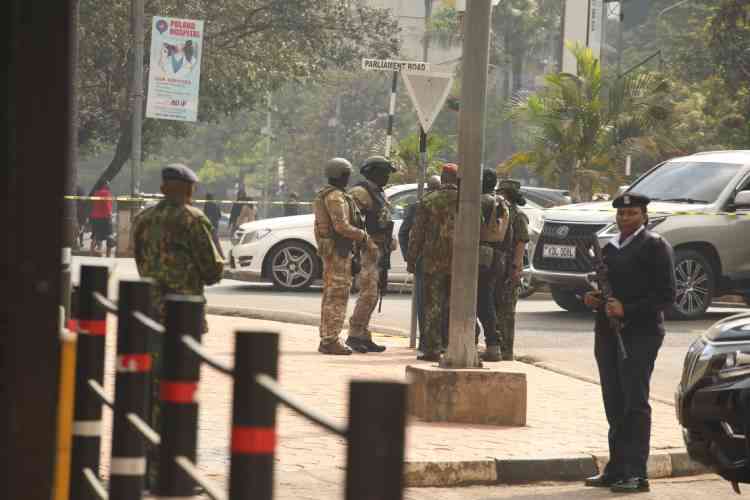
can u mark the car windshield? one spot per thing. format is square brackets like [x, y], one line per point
[687, 181]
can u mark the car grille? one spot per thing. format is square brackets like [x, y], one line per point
[691, 358]
[576, 233]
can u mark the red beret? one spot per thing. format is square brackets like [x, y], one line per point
[450, 168]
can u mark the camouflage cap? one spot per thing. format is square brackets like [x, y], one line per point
[375, 162]
[178, 172]
[336, 167]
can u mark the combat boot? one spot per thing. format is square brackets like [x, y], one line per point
[491, 354]
[357, 344]
[372, 346]
[336, 348]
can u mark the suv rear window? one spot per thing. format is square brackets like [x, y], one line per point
[700, 182]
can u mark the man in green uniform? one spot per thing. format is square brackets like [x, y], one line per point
[338, 229]
[514, 244]
[174, 246]
[431, 239]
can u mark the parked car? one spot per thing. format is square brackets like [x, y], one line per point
[713, 398]
[282, 250]
[700, 204]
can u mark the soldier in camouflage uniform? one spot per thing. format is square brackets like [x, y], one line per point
[338, 228]
[514, 244]
[431, 239]
[376, 210]
[174, 246]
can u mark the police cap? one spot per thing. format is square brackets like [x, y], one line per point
[375, 162]
[337, 167]
[178, 172]
[631, 200]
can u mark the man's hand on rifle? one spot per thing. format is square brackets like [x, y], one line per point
[615, 308]
[593, 299]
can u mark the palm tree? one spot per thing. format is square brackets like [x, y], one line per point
[578, 128]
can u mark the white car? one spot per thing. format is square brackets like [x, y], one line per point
[282, 250]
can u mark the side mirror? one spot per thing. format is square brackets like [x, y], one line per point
[742, 200]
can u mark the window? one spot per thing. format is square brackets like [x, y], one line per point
[687, 181]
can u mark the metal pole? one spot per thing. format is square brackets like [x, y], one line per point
[138, 18]
[132, 384]
[391, 113]
[87, 419]
[177, 392]
[422, 174]
[462, 351]
[337, 128]
[375, 452]
[269, 171]
[253, 416]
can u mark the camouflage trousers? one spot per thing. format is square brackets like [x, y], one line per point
[359, 322]
[506, 297]
[337, 280]
[436, 307]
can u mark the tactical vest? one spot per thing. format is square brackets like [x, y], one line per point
[378, 216]
[495, 224]
[323, 225]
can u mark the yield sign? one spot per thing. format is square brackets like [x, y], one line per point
[428, 92]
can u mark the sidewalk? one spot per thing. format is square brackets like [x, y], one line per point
[566, 428]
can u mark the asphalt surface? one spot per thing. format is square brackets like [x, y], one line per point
[544, 332]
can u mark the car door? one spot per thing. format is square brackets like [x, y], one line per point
[399, 202]
[737, 253]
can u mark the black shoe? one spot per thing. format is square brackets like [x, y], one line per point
[372, 346]
[631, 485]
[429, 356]
[357, 345]
[601, 481]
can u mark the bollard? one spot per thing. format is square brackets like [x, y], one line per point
[375, 453]
[177, 392]
[253, 416]
[91, 327]
[132, 383]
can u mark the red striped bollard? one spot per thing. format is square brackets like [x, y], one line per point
[253, 416]
[177, 392]
[87, 418]
[132, 383]
[375, 452]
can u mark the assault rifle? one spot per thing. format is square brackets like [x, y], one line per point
[385, 263]
[601, 279]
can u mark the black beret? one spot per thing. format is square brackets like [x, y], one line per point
[178, 172]
[631, 200]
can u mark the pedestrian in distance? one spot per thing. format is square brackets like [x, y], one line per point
[373, 278]
[101, 221]
[513, 248]
[339, 231]
[247, 213]
[82, 216]
[433, 184]
[431, 239]
[174, 246]
[291, 207]
[640, 272]
[492, 229]
[213, 212]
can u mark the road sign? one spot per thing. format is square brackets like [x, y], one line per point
[398, 66]
[428, 92]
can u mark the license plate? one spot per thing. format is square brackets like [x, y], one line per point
[559, 252]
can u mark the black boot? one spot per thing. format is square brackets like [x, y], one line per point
[357, 344]
[372, 346]
[631, 485]
[601, 481]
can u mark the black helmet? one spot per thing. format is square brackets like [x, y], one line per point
[375, 162]
[489, 180]
[337, 167]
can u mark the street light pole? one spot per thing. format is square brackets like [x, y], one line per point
[138, 17]
[462, 351]
[658, 18]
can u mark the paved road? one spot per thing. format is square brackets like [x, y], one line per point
[543, 331]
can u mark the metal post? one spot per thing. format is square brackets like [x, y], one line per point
[421, 176]
[269, 173]
[375, 455]
[179, 385]
[391, 113]
[253, 416]
[87, 423]
[462, 351]
[137, 95]
[132, 383]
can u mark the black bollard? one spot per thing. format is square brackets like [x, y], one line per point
[253, 416]
[87, 418]
[132, 383]
[375, 455]
[177, 392]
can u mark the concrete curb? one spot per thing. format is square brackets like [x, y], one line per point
[289, 317]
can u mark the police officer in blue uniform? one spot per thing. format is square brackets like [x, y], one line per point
[641, 274]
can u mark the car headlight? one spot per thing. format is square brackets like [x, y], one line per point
[253, 236]
[612, 229]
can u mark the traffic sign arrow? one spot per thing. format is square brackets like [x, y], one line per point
[428, 92]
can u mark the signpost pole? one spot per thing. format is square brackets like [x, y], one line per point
[137, 96]
[391, 113]
[421, 176]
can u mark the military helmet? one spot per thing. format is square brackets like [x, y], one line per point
[337, 167]
[509, 185]
[489, 179]
[375, 162]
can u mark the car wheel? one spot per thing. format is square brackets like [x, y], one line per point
[568, 300]
[695, 285]
[293, 266]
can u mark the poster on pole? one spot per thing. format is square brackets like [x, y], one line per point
[175, 69]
